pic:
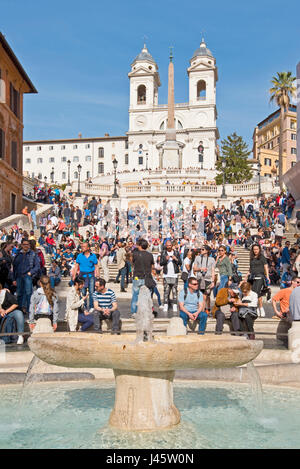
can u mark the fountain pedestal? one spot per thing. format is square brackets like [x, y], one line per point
[144, 401]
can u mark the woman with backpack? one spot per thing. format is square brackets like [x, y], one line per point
[44, 303]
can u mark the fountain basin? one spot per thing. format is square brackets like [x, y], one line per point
[144, 371]
[165, 353]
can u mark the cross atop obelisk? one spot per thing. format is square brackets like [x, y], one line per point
[171, 133]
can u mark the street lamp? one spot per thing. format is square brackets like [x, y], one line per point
[115, 194]
[146, 161]
[223, 196]
[277, 176]
[259, 180]
[78, 190]
[69, 164]
[52, 175]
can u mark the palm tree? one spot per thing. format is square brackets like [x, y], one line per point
[282, 90]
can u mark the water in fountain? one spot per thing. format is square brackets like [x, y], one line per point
[256, 386]
[214, 415]
[144, 316]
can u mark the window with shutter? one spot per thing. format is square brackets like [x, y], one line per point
[14, 155]
[2, 144]
[14, 100]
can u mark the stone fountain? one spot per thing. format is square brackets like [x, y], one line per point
[144, 370]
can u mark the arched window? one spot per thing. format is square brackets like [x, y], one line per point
[178, 124]
[141, 94]
[201, 90]
[76, 175]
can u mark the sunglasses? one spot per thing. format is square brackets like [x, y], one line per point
[194, 284]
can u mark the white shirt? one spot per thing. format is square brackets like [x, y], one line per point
[252, 298]
[170, 266]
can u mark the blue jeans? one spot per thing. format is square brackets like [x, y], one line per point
[54, 281]
[122, 273]
[155, 290]
[136, 285]
[87, 321]
[15, 316]
[90, 285]
[24, 291]
[223, 281]
[202, 318]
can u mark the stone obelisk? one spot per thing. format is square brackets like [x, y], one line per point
[171, 132]
[170, 150]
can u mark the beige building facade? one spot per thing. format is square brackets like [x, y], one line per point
[14, 82]
[266, 142]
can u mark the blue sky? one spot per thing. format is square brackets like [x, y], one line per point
[78, 55]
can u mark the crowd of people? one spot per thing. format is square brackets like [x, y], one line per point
[195, 244]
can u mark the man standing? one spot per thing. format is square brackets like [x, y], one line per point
[192, 304]
[204, 267]
[87, 264]
[285, 257]
[105, 307]
[67, 214]
[142, 262]
[121, 264]
[283, 298]
[33, 218]
[170, 260]
[104, 251]
[295, 302]
[26, 266]
[78, 216]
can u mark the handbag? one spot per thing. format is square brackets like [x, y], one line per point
[184, 276]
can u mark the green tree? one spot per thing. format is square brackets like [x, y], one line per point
[235, 152]
[282, 90]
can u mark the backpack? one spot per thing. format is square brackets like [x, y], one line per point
[186, 292]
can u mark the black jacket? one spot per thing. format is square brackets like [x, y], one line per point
[177, 263]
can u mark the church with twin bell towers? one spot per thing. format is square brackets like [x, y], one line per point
[164, 142]
[176, 135]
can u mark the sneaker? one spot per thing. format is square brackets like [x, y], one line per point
[20, 340]
[275, 317]
[174, 308]
[161, 306]
[262, 312]
[166, 308]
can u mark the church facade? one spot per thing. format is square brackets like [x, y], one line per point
[195, 121]
[141, 148]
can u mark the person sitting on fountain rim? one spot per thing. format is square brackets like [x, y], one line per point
[44, 303]
[192, 305]
[10, 314]
[105, 307]
[224, 308]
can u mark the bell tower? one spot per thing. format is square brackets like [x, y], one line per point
[144, 84]
[203, 76]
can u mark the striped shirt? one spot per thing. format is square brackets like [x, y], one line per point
[105, 300]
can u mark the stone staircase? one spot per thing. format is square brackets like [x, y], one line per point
[243, 256]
